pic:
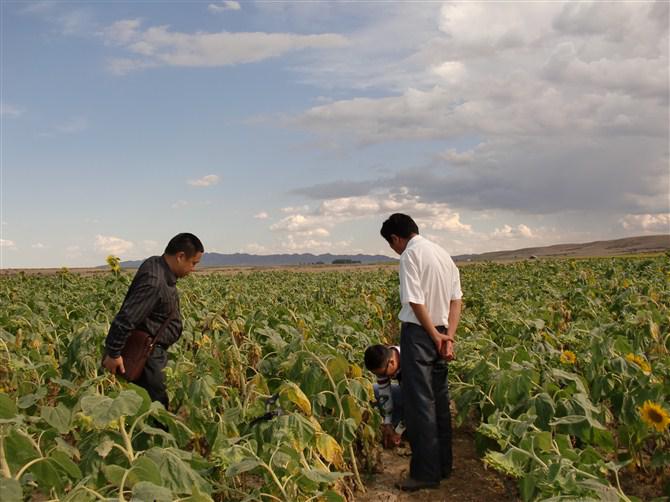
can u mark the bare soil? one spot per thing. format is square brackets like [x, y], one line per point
[469, 481]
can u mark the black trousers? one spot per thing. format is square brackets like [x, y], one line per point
[425, 395]
[153, 378]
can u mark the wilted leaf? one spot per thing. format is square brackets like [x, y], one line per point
[294, 394]
[330, 449]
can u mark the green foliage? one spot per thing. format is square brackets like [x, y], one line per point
[562, 426]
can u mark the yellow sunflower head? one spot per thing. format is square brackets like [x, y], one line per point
[568, 357]
[114, 263]
[654, 416]
[639, 361]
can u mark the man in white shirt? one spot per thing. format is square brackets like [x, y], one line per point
[430, 294]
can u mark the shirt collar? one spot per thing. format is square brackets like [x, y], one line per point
[170, 276]
[413, 241]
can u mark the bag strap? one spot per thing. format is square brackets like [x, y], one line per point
[162, 328]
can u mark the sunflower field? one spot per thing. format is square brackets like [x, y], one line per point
[562, 368]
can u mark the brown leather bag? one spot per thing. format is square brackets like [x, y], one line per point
[139, 346]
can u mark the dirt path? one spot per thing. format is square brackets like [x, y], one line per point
[470, 480]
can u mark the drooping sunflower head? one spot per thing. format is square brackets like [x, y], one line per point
[639, 361]
[654, 416]
[568, 357]
[114, 263]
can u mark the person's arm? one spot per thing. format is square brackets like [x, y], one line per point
[137, 306]
[440, 339]
[389, 436]
[385, 398]
[455, 307]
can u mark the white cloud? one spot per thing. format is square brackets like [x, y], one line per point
[647, 223]
[297, 244]
[108, 244]
[521, 231]
[205, 181]
[6, 243]
[297, 223]
[224, 6]
[9, 110]
[38, 245]
[255, 248]
[262, 215]
[296, 209]
[179, 204]
[563, 99]
[159, 46]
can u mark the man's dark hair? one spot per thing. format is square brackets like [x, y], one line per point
[400, 225]
[377, 357]
[186, 243]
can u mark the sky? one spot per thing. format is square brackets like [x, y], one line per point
[292, 127]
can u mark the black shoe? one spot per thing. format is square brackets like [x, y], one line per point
[412, 485]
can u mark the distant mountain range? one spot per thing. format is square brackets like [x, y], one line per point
[252, 260]
[629, 245]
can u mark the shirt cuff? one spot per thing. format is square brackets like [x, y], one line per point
[112, 353]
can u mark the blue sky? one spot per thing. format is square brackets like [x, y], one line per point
[270, 127]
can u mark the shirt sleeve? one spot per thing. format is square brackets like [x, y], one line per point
[385, 398]
[410, 282]
[137, 306]
[456, 293]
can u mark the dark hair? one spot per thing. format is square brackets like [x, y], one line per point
[186, 243]
[377, 357]
[400, 225]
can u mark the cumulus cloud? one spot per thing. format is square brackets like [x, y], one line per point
[224, 6]
[298, 244]
[569, 103]
[647, 223]
[262, 215]
[8, 244]
[205, 181]
[307, 228]
[160, 46]
[108, 244]
[508, 232]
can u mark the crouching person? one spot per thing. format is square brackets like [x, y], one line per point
[384, 362]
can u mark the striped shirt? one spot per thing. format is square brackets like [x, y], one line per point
[150, 298]
[384, 389]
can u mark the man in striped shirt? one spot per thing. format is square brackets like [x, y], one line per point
[384, 362]
[151, 299]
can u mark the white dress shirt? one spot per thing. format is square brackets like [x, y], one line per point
[428, 276]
